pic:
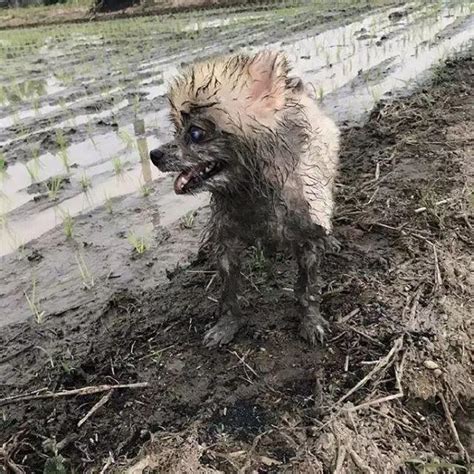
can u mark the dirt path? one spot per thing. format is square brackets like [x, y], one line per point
[390, 390]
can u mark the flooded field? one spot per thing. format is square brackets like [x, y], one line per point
[82, 105]
[101, 283]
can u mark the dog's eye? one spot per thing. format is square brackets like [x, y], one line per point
[196, 134]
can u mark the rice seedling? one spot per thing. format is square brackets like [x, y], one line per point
[3, 164]
[62, 144]
[33, 303]
[68, 223]
[187, 221]
[87, 278]
[53, 187]
[118, 165]
[108, 204]
[145, 190]
[138, 242]
[127, 139]
[32, 169]
[85, 182]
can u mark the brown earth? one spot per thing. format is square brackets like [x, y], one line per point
[390, 391]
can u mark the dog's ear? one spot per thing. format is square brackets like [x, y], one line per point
[268, 73]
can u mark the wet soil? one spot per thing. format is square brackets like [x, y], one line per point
[390, 390]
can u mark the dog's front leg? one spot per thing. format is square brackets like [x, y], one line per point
[231, 319]
[309, 255]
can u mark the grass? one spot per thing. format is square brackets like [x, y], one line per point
[33, 303]
[85, 182]
[138, 243]
[108, 204]
[68, 223]
[32, 169]
[145, 190]
[117, 165]
[86, 276]
[187, 221]
[53, 187]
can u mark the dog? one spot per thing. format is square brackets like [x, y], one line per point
[252, 134]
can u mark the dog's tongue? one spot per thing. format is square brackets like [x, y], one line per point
[184, 178]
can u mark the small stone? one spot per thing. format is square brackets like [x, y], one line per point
[431, 365]
[437, 372]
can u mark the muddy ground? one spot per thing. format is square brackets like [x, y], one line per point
[390, 391]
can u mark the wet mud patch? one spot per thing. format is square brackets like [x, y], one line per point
[378, 397]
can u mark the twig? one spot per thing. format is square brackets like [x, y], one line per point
[381, 364]
[454, 431]
[391, 418]
[242, 360]
[341, 457]
[99, 404]
[359, 463]
[438, 279]
[374, 402]
[348, 316]
[69, 393]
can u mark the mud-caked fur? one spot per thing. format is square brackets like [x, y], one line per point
[273, 157]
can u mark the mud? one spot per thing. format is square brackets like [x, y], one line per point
[377, 397]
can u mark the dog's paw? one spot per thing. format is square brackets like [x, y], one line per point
[314, 327]
[223, 332]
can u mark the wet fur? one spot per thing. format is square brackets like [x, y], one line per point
[279, 154]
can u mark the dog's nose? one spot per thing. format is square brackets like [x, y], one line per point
[156, 156]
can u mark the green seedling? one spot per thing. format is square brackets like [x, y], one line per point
[87, 278]
[118, 165]
[68, 223]
[108, 204]
[33, 168]
[127, 139]
[187, 221]
[3, 164]
[62, 144]
[53, 186]
[85, 182]
[258, 262]
[145, 190]
[33, 303]
[138, 243]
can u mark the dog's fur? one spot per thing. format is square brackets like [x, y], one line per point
[275, 157]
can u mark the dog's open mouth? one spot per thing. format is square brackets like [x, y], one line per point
[192, 178]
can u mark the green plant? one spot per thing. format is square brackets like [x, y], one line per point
[108, 204]
[118, 166]
[145, 190]
[68, 223]
[53, 186]
[87, 278]
[85, 182]
[138, 243]
[33, 303]
[127, 139]
[33, 168]
[187, 221]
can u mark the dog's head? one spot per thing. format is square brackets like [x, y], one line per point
[227, 113]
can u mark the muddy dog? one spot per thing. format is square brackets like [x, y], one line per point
[251, 133]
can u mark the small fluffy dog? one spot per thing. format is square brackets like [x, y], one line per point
[251, 133]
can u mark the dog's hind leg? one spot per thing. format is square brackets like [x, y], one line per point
[309, 255]
[231, 319]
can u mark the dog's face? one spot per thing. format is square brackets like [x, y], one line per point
[223, 113]
[202, 153]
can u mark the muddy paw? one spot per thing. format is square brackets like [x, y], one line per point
[314, 327]
[223, 332]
